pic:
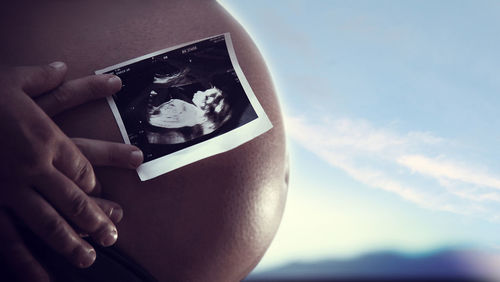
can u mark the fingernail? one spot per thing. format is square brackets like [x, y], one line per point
[136, 158]
[116, 214]
[115, 80]
[57, 65]
[110, 238]
[115, 83]
[87, 257]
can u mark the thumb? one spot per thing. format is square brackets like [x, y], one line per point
[36, 80]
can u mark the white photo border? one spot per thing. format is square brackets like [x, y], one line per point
[216, 145]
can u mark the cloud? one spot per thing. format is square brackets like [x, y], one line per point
[411, 165]
[443, 170]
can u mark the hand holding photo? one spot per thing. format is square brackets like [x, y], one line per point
[185, 103]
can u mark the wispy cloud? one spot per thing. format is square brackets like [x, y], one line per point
[447, 170]
[412, 164]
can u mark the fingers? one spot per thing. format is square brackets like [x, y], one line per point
[79, 91]
[111, 209]
[74, 205]
[72, 163]
[17, 256]
[102, 153]
[46, 223]
[36, 80]
[96, 192]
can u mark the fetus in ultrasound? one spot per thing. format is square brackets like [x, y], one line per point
[180, 109]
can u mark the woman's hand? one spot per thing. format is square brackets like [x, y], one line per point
[44, 177]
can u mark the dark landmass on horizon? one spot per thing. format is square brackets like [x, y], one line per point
[445, 265]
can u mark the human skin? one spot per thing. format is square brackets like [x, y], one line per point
[38, 165]
[208, 221]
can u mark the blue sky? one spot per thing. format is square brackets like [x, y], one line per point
[391, 110]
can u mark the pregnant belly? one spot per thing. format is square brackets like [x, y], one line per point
[209, 221]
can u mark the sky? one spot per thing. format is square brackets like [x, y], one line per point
[393, 132]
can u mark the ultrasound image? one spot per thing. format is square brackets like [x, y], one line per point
[181, 97]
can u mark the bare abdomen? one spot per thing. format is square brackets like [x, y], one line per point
[211, 220]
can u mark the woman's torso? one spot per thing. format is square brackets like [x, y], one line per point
[210, 220]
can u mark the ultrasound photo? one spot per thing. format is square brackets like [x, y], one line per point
[185, 103]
